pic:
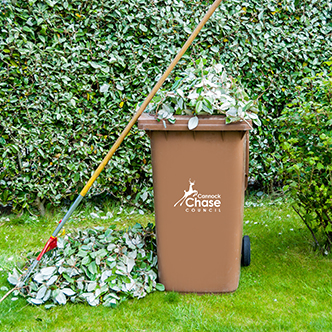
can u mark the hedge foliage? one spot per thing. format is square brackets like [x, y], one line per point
[308, 151]
[71, 73]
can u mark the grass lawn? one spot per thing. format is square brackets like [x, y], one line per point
[287, 287]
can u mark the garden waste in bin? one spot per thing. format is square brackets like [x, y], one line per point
[199, 179]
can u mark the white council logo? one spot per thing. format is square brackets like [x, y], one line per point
[197, 202]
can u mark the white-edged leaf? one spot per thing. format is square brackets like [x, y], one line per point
[49, 306]
[97, 292]
[132, 254]
[111, 295]
[51, 281]
[35, 301]
[193, 95]
[105, 69]
[61, 243]
[48, 271]
[47, 295]
[193, 123]
[225, 106]
[260, 15]
[257, 122]
[180, 93]
[199, 106]
[187, 29]
[218, 68]
[130, 264]
[252, 116]
[228, 98]
[41, 293]
[109, 302]
[73, 102]
[104, 87]
[144, 196]
[111, 247]
[91, 286]
[68, 291]
[12, 280]
[142, 252]
[95, 65]
[233, 111]
[61, 298]
[105, 275]
[143, 27]
[15, 274]
[90, 298]
[119, 87]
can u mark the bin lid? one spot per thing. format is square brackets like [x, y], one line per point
[206, 123]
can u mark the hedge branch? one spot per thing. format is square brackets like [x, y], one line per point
[311, 231]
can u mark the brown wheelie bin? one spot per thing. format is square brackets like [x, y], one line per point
[199, 180]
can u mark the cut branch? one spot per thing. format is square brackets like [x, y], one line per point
[8, 293]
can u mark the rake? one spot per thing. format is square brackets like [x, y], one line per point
[52, 241]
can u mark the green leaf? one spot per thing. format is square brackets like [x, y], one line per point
[76, 177]
[71, 280]
[86, 260]
[320, 166]
[160, 287]
[93, 267]
[27, 29]
[199, 106]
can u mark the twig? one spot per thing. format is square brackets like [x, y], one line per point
[15, 288]
[327, 233]
[8, 293]
[311, 231]
[268, 87]
[243, 119]
[23, 308]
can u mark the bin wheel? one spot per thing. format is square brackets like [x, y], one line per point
[245, 259]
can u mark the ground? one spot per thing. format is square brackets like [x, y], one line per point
[287, 287]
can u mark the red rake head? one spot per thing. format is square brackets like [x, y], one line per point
[50, 244]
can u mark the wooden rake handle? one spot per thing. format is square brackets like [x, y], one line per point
[123, 135]
[148, 98]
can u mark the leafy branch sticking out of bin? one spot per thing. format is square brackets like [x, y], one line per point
[95, 266]
[202, 91]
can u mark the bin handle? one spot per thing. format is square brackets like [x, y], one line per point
[246, 171]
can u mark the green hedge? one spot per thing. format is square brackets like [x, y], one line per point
[307, 158]
[71, 73]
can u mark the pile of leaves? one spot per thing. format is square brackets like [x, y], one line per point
[96, 266]
[203, 90]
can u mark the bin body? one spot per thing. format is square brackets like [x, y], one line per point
[199, 184]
